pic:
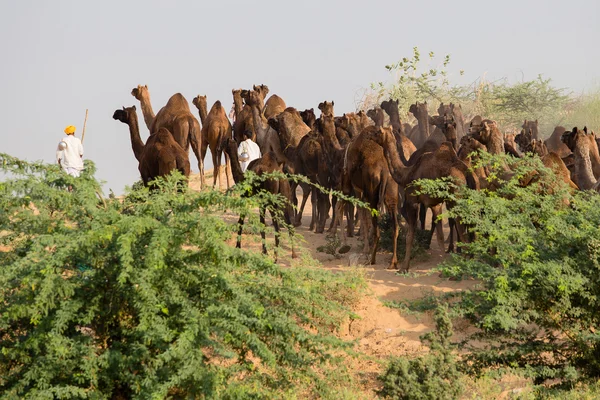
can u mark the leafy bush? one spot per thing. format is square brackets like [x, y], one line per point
[432, 376]
[536, 253]
[142, 297]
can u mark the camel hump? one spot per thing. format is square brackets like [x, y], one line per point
[177, 102]
[163, 136]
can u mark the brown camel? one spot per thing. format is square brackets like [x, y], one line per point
[532, 128]
[215, 127]
[243, 117]
[408, 147]
[274, 106]
[263, 91]
[376, 114]
[578, 141]
[366, 175]
[554, 142]
[439, 164]
[326, 108]
[456, 113]
[289, 126]
[489, 134]
[177, 118]
[266, 137]
[309, 118]
[342, 134]
[266, 164]
[552, 161]
[160, 155]
[419, 133]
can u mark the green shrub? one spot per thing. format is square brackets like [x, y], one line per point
[143, 298]
[434, 376]
[538, 261]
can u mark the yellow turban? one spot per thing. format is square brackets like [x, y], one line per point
[70, 130]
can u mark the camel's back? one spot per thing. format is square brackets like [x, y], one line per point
[274, 106]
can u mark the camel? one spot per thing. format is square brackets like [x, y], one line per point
[554, 143]
[342, 134]
[289, 126]
[274, 106]
[159, 155]
[510, 145]
[408, 147]
[243, 117]
[578, 142]
[419, 133]
[326, 108]
[376, 114]
[489, 134]
[552, 161]
[456, 113]
[309, 118]
[266, 137]
[438, 164]
[366, 174]
[215, 127]
[532, 127]
[266, 164]
[263, 91]
[177, 118]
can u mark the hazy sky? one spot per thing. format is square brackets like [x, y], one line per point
[61, 57]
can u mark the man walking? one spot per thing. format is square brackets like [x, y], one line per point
[69, 154]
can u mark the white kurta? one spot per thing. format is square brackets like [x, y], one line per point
[251, 148]
[71, 157]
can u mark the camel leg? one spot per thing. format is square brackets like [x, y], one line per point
[436, 211]
[203, 148]
[375, 239]
[422, 215]
[240, 229]
[195, 139]
[411, 211]
[216, 159]
[324, 205]
[276, 227]
[333, 204]
[396, 228]
[350, 219]
[306, 191]
[314, 201]
[263, 229]
[451, 224]
[228, 172]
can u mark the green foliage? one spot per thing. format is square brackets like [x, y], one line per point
[536, 252]
[508, 103]
[432, 376]
[142, 297]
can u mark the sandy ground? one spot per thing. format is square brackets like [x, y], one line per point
[381, 331]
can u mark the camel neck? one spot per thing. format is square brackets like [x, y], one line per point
[583, 164]
[395, 119]
[260, 126]
[147, 112]
[136, 142]
[398, 170]
[203, 113]
[236, 168]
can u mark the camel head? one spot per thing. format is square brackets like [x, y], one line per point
[309, 117]
[538, 147]
[125, 115]
[275, 123]
[200, 102]
[532, 127]
[469, 145]
[444, 109]
[326, 108]
[485, 131]
[251, 97]
[419, 110]
[570, 138]
[376, 114]
[328, 124]
[362, 120]
[140, 92]
[523, 139]
[389, 105]
[263, 90]
[449, 130]
[475, 123]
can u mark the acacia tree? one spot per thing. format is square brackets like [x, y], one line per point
[142, 297]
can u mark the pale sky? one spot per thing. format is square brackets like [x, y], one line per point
[61, 57]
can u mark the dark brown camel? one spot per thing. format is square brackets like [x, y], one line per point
[419, 133]
[366, 175]
[266, 164]
[532, 128]
[215, 128]
[177, 118]
[160, 155]
[439, 164]
[407, 146]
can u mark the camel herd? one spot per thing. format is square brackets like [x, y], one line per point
[354, 153]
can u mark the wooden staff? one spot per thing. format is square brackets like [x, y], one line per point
[84, 122]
